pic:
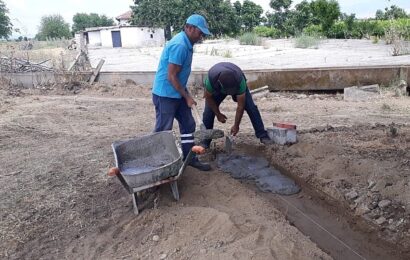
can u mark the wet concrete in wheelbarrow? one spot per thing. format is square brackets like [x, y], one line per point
[326, 222]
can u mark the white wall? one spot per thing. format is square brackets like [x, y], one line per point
[131, 37]
[141, 37]
[106, 38]
[94, 38]
[124, 22]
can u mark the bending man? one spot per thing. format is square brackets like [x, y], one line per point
[224, 79]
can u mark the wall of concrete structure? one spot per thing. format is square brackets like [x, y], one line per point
[290, 79]
[94, 38]
[142, 37]
[326, 78]
[131, 37]
[39, 79]
[277, 80]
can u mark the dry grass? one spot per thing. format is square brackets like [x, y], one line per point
[53, 55]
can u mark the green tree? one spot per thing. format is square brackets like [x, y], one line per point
[5, 24]
[379, 15]
[280, 5]
[301, 16]
[53, 26]
[250, 14]
[169, 14]
[325, 13]
[279, 18]
[394, 12]
[83, 20]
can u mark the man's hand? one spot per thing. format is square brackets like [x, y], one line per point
[234, 130]
[190, 101]
[221, 117]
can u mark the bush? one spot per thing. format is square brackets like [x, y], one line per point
[250, 38]
[264, 31]
[313, 30]
[305, 41]
[339, 31]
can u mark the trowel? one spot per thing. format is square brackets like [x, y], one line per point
[229, 142]
[204, 133]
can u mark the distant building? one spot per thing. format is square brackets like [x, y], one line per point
[124, 36]
[125, 18]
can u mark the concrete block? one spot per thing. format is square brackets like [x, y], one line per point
[364, 93]
[282, 133]
[277, 134]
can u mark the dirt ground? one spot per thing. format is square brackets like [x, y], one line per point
[58, 202]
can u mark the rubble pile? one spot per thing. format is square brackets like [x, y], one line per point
[12, 65]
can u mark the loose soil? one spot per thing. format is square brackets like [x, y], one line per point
[58, 202]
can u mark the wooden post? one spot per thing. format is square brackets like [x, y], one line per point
[96, 71]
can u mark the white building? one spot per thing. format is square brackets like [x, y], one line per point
[124, 36]
[125, 18]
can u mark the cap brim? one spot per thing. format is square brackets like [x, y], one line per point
[205, 31]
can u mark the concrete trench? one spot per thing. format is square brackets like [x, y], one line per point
[325, 221]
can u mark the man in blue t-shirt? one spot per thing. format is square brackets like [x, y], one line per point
[170, 94]
[225, 78]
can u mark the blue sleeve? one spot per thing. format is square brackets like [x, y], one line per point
[177, 54]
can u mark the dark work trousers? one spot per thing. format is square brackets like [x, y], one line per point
[166, 109]
[250, 108]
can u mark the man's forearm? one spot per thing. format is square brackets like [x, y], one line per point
[178, 87]
[238, 115]
[212, 104]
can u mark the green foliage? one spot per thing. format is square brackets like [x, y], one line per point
[305, 41]
[301, 16]
[54, 27]
[5, 24]
[250, 14]
[250, 38]
[325, 13]
[394, 12]
[83, 20]
[313, 30]
[221, 15]
[264, 31]
[280, 18]
[280, 5]
[338, 30]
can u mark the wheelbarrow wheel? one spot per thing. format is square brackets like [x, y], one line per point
[174, 189]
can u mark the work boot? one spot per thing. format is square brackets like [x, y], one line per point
[266, 140]
[199, 165]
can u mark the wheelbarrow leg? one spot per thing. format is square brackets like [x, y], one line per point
[174, 189]
[135, 202]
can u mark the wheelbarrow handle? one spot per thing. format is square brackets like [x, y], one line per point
[198, 117]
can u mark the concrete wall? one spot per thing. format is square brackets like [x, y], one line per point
[124, 22]
[131, 37]
[38, 79]
[325, 78]
[106, 38]
[288, 80]
[285, 80]
[141, 37]
[94, 38]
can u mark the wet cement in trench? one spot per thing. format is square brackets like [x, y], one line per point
[324, 223]
[257, 169]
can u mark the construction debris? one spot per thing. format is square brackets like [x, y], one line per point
[13, 65]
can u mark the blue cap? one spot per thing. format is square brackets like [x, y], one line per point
[200, 22]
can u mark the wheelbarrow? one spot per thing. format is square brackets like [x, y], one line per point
[148, 161]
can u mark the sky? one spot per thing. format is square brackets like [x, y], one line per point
[26, 14]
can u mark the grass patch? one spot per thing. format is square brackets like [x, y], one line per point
[305, 41]
[250, 38]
